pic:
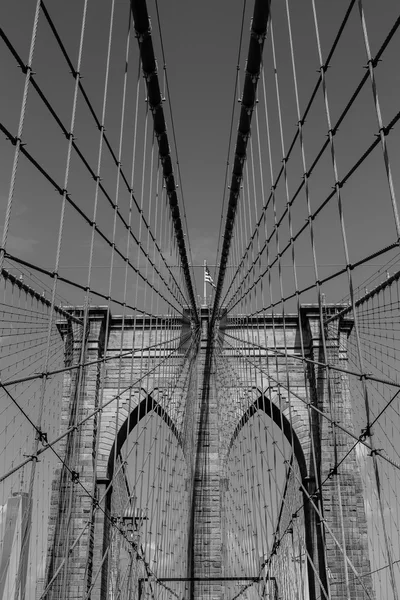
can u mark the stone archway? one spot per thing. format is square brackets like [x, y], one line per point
[111, 397]
[291, 434]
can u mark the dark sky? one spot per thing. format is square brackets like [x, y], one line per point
[201, 41]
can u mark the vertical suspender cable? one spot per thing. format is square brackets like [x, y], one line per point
[143, 32]
[258, 33]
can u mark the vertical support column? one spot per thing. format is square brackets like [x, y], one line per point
[102, 534]
[207, 541]
[72, 522]
[341, 496]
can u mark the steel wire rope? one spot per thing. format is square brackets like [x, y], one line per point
[142, 366]
[284, 333]
[360, 439]
[330, 367]
[71, 428]
[350, 281]
[77, 365]
[168, 95]
[157, 300]
[143, 31]
[289, 400]
[26, 527]
[148, 480]
[149, 416]
[122, 333]
[382, 411]
[28, 276]
[253, 439]
[155, 557]
[129, 409]
[244, 486]
[258, 246]
[334, 431]
[88, 574]
[18, 140]
[236, 85]
[231, 515]
[243, 472]
[52, 275]
[99, 124]
[258, 28]
[338, 425]
[334, 129]
[277, 239]
[8, 277]
[255, 298]
[284, 501]
[382, 133]
[98, 505]
[136, 291]
[95, 177]
[165, 500]
[337, 543]
[22, 393]
[370, 280]
[170, 464]
[244, 408]
[120, 357]
[313, 95]
[366, 259]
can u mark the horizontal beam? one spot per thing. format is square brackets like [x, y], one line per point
[257, 578]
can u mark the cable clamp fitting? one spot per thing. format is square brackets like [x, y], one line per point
[74, 476]
[373, 62]
[17, 140]
[366, 432]
[42, 437]
[375, 452]
[32, 457]
[333, 471]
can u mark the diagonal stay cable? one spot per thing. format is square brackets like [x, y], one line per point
[313, 216]
[87, 219]
[47, 374]
[358, 374]
[99, 500]
[321, 413]
[92, 173]
[292, 145]
[100, 127]
[324, 146]
[39, 297]
[43, 435]
[163, 319]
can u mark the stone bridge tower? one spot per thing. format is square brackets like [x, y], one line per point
[297, 395]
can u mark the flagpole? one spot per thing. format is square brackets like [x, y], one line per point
[205, 283]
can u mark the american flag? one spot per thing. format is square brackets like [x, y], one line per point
[207, 277]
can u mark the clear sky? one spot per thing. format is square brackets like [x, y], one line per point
[201, 42]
